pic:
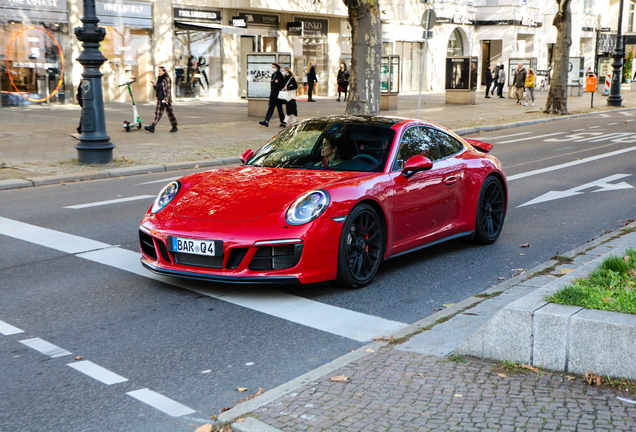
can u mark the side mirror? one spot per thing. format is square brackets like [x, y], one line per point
[247, 155]
[416, 164]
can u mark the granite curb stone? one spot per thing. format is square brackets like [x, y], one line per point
[65, 178]
[250, 424]
[14, 184]
[134, 170]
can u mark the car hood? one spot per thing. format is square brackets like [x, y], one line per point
[248, 192]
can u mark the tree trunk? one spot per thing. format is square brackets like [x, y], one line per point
[557, 102]
[366, 50]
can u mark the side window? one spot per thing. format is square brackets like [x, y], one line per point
[448, 145]
[417, 141]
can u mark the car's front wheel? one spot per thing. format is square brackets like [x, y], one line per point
[491, 211]
[361, 250]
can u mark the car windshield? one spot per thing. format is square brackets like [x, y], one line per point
[326, 145]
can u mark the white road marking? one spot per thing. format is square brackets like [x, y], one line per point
[158, 181]
[531, 138]
[625, 113]
[331, 319]
[505, 136]
[612, 124]
[97, 372]
[113, 201]
[45, 347]
[593, 127]
[604, 115]
[7, 329]
[604, 185]
[160, 402]
[627, 121]
[57, 240]
[569, 164]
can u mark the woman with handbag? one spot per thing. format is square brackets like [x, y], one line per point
[276, 85]
[163, 87]
[343, 81]
[290, 86]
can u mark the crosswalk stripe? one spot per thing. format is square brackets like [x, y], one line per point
[604, 115]
[160, 402]
[7, 329]
[504, 136]
[310, 313]
[626, 113]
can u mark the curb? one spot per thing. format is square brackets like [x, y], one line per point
[115, 172]
[468, 131]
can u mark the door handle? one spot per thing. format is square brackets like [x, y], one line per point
[450, 181]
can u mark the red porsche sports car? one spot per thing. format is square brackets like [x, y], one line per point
[326, 199]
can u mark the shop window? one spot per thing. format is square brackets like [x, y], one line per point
[34, 63]
[197, 63]
[455, 44]
[411, 57]
[315, 47]
[129, 54]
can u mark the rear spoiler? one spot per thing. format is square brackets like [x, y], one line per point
[480, 145]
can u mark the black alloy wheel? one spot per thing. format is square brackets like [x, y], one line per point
[361, 250]
[491, 211]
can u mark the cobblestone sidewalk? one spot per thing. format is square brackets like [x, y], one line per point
[392, 390]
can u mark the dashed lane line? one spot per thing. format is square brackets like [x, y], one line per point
[109, 202]
[310, 313]
[97, 372]
[7, 329]
[604, 115]
[160, 402]
[505, 136]
[158, 181]
[531, 138]
[46, 348]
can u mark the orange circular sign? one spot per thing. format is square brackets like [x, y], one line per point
[59, 83]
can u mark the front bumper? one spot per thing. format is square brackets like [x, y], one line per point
[258, 251]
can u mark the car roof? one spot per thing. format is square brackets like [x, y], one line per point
[387, 121]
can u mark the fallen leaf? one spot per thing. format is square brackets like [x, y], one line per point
[213, 417]
[239, 420]
[437, 309]
[205, 428]
[521, 254]
[241, 389]
[458, 395]
[196, 166]
[566, 271]
[570, 377]
[627, 259]
[524, 245]
[448, 305]
[502, 375]
[592, 378]
[339, 378]
[378, 338]
[421, 375]
[370, 350]
[464, 324]
[518, 270]
[530, 368]
[78, 358]
[501, 278]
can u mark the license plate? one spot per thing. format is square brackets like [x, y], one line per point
[196, 246]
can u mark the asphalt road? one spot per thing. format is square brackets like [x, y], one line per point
[192, 344]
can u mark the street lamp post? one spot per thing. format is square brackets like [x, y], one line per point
[614, 98]
[94, 146]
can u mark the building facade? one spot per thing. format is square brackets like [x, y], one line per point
[204, 43]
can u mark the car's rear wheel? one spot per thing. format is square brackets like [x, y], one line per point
[361, 250]
[491, 211]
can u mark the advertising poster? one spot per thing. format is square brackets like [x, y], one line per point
[458, 73]
[259, 74]
[575, 71]
[384, 75]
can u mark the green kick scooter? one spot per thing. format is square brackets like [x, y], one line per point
[137, 119]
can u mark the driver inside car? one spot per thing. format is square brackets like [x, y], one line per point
[329, 153]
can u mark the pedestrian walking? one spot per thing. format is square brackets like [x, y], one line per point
[488, 81]
[291, 107]
[343, 81]
[530, 78]
[276, 85]
[311, 80]
[519, 82]
[163, 87]
[495, 80]
[501, 82]
[80, 100]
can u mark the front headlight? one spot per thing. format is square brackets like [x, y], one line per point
[166, 195]
[308, 207]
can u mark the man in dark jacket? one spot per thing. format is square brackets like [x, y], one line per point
[520, 82]
[276, 85]
[488, 80]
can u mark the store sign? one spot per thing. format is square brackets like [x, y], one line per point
[294, 29]
[260, 19]
[198, 14]
[239, 22]
[35, 4]
[131, 10]
[314, 27]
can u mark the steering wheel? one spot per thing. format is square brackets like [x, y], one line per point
[368, 159]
